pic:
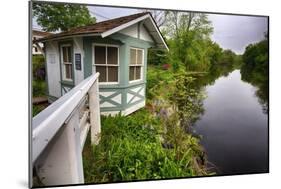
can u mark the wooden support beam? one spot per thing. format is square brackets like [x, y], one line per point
[94, 106]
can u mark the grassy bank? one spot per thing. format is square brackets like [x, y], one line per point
[131, 148]
[145, 144]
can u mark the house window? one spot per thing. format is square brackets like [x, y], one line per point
[136, 64]
[106, 62]
[67, 71]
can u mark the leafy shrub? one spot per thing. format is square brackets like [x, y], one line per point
[39, 88]
[131, 149]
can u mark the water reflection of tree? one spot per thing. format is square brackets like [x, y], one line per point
[216, 71]
[255, 68]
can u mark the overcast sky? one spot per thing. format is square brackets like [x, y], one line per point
[230, 31]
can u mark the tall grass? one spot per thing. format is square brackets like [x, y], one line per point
[131, 149]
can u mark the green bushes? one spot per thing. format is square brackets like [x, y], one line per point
[39, 86]
[131, 149]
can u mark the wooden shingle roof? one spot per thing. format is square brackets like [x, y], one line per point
[40, 33]
[96, 28]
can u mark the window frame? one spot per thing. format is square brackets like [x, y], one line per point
[106, 65]
[63, 70]
[140, 65]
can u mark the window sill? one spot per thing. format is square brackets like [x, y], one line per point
[135, 81]
[108, 83]
[69, 82]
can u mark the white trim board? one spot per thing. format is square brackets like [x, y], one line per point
[126, 111]
[126, 25]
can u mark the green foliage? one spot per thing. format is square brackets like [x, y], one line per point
[36, 109]
[188, 35]
[57, 16]
[255, 69]
[130, 149]
[188, 100]
[38, 63]
[158, 82]
[39, 86]
[156, 57]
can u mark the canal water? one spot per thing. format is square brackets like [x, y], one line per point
[234, 128]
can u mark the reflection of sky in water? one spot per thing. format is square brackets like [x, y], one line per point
[234, 128]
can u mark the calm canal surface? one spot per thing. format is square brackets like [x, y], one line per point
[234, 128]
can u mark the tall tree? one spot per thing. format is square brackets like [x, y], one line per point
[61, 17]
[189, 34]
[158, 15]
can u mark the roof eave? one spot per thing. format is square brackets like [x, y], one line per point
[41, 40]
[123, 26]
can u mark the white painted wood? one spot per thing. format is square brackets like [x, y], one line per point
[58, 135]
[144, 35]
[112, 113]
[131, 31]
[150, 24]
[53, 68]
[133, 108]
[61, 161]
[83, 134]
[107, 93]
[106, 105]
[155, 32]
[129, 97]
[47, 123]
[123, 26]
[142, 92]
[83, 120]
[94, 105]
[78, 48]
[126, 111]
[136, 98]
[136, 89]
[117, 99]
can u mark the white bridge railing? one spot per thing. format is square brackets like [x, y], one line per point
[59, 133]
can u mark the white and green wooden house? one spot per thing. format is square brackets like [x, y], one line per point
[116, 48]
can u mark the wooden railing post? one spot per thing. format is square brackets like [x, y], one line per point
[59, 133]
[61, 162]
[94, 106]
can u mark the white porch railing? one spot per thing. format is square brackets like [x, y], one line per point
[59, 133]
